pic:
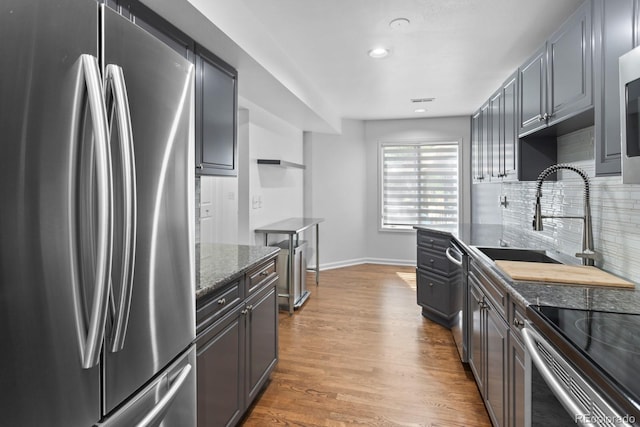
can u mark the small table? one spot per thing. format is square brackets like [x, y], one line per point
[292, 227]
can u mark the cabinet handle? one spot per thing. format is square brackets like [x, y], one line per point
[518, 323]
[222, 301]
[250, 307]
[264, 273]
[431, 284]
[200, 166]
[245, 311]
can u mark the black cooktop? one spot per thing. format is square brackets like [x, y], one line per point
[605, 345]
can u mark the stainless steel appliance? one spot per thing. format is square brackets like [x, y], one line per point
[460, 291]
[299, 279]
[582, 367]
[629, 64]
[96, 254]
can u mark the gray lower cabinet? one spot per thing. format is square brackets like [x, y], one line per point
[220, 366]
[237, 345]
[488, 355]
[435, 277]
[615, 23]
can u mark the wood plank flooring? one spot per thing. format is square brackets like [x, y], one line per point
[359, 353]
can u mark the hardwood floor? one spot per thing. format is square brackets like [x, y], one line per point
[360, 353]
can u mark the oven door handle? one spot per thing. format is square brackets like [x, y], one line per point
[530, 336]
[453, 259]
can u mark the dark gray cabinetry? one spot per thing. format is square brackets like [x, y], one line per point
[510, 145]
[237, 345]
[614, 23]
[496, 134]
[435, 275]
[489, 345]
[556, 82]
[220, 368]
[477, 144]
[533, 92]
[216, 115]
[517, 368]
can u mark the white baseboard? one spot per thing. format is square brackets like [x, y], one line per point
[359, 261]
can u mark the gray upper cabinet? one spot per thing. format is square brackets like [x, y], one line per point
[533, 93]
[556, 82]
[216, 115]
[496, 135]
[615, 23]
[476, 146]
[569, 67]
[510, 126]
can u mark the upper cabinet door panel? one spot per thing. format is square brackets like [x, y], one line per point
[569, 68]
[216, 116]
[533, 92]
[509, 114]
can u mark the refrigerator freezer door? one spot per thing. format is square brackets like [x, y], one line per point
[44, 309]
[161, 322]
[169, 401]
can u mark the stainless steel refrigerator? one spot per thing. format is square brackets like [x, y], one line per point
[96, 232]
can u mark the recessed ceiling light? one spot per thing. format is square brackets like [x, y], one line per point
[399, 23]
[420, 110]
[379, 52]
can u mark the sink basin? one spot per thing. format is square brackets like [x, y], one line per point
[513, 254]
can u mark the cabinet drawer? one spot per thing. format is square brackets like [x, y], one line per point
[434, 293]
[217, 305]
[494, 291]
[260, 275]
[436, 261]
[433, 240]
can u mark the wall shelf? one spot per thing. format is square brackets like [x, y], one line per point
[281, 163]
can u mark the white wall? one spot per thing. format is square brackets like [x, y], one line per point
[274, 193]
[395, 246]
[335, 182]
[342, 187]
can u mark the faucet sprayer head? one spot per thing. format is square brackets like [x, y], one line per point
[537, 216]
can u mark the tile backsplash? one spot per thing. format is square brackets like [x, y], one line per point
[615, 209]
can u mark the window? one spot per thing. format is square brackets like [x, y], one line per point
[419, 185]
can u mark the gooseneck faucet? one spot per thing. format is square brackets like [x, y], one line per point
[588, 255]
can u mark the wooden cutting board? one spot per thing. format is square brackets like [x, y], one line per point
[560, 273]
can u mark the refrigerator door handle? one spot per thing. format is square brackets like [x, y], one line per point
[91, 343]
[118, 102]
[160, 409]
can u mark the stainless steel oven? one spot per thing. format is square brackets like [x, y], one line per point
[578, 370]
[630, 115]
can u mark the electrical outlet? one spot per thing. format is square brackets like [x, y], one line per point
[503, 201]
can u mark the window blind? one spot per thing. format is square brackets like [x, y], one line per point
[419, 185]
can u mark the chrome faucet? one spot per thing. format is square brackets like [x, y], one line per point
[588, 255]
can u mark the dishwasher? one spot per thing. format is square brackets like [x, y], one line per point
[460, 326]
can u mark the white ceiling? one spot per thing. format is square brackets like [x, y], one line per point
[457, 51]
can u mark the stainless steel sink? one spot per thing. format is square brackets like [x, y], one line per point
[513, 254]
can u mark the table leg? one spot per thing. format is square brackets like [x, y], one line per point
[317, 254]
[290, 275]
[266, 239]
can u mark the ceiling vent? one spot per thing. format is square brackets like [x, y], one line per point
[419, 100]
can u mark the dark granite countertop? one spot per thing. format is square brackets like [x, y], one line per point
[220, 263]
[526, 293]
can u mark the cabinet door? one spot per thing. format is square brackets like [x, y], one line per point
[476, 146]
[476, 345]
[496, 133]
[510, 126]
[569, 67]
[496, 365]
[220, 372]
[485, 166]
[516, 393]
[262, 338]
[216, 116]
[533, 93]
[613, 23]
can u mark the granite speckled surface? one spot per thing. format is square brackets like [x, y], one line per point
[220, 263]
[526, 293]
